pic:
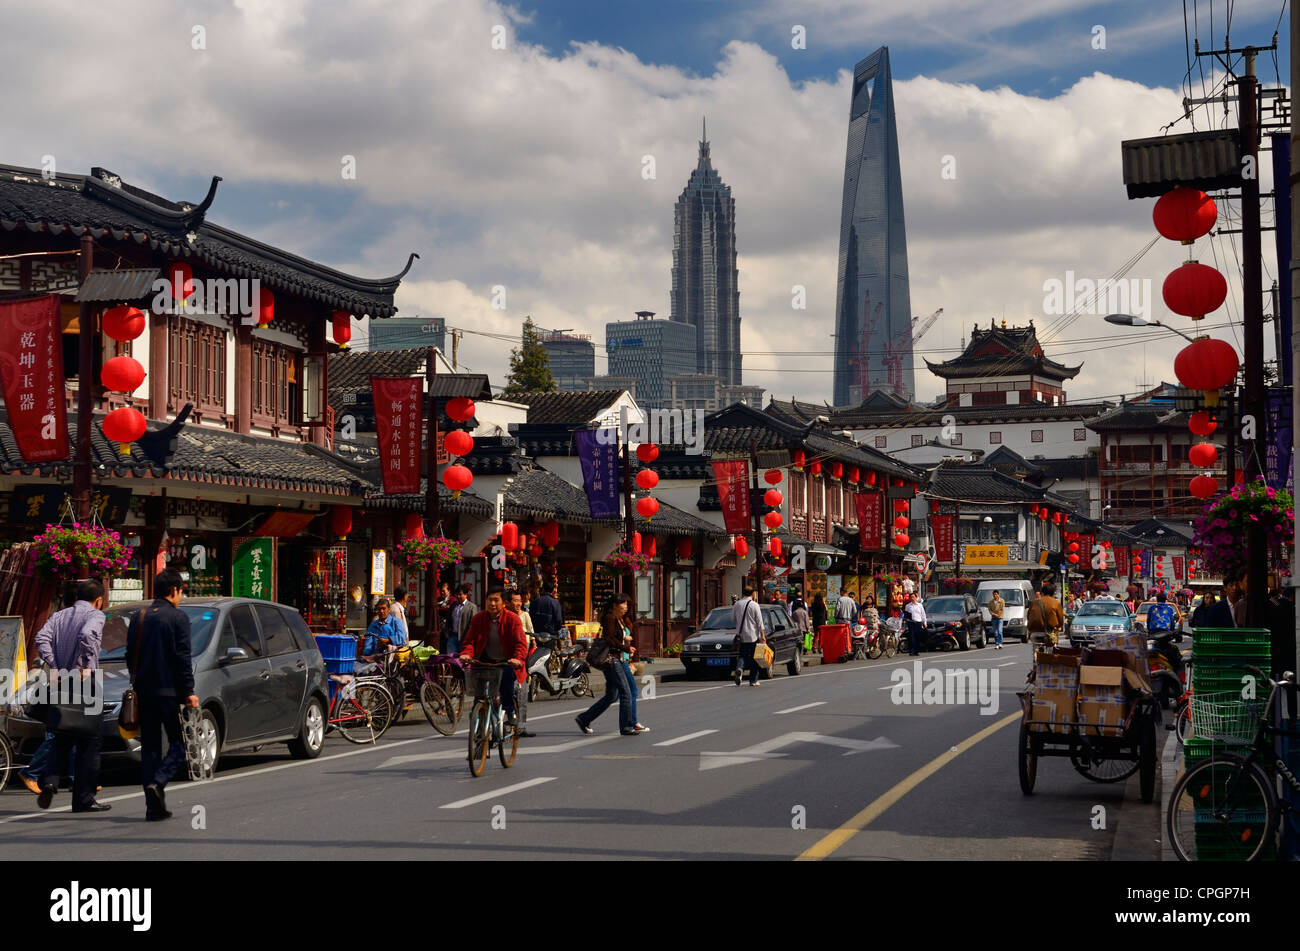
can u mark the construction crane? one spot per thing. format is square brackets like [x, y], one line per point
[902, 346]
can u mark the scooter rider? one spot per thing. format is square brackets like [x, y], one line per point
[1160, 616]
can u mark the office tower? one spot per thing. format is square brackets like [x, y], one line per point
[572, 357]
[650, 351]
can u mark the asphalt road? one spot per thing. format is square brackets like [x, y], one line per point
[823, 765]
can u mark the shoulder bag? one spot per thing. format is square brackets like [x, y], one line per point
[128, 716]
[598, 655]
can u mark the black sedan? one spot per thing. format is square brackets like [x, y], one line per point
[712, 647]
[961, 611]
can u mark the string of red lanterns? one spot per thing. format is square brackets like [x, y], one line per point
[125, 424]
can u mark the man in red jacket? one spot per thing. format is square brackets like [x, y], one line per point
[496, 636]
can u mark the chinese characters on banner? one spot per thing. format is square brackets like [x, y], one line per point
[600, 470]
[870, 508]
[397, 424]
[1142, 564]
[1178, 567]
[732, 477]
[1086, 543]
[1121, 560]
[31, 373]
[1279, 466]
[941, 526]
[254, 574]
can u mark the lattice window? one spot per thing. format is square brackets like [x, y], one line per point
[196, 366]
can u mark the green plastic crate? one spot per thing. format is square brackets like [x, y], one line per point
[1217, 637]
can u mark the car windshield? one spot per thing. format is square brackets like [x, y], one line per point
[945, 606]
[112, 650]
[1101, 609]
[1145, 606]
[1010, 596]
[719, 619]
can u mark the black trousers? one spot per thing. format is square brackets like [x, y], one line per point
[85, 774]
[158, 714]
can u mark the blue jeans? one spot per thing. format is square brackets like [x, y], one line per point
[631, 688]
[41, 757]
[616, 686]
[997, 631]
[745, 661]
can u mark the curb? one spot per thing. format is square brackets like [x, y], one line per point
[1171, 764]
[1139, 832]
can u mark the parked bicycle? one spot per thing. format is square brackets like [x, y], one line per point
[487, 726]
[362, 708]
[1226, 808]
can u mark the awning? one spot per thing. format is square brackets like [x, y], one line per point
[285, 524]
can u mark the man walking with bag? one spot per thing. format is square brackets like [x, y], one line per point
[69, 642]
[749, 634]
[162, 674]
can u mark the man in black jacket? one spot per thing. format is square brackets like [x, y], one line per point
[547, 613]
[162, 672]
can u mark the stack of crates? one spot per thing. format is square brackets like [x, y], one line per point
[340, 654]
[1219, 658]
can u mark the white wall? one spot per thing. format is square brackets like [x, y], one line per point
[1058, 436]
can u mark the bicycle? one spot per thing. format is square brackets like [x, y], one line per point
[362, 709]
[1226, 808]
[487, 726]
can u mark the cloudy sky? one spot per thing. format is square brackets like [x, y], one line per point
[523, 166]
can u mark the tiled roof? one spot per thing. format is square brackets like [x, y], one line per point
[966, 415]
[115, 211]
[1175, 533]
[998, 351]
[351, 370]
[466, 504]
[1141, 416]
[1205, 160]
[540, 493]
[573, 407]
[672, 520]
[980, 484]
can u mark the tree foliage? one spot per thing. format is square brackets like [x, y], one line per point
[530, 365]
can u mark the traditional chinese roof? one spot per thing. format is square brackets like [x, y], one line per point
[467, 503]
[573, 407]
[111, 210]
[1176, 534]
[977, 484]
[858, 418]
[1003, 351]
[1139, 416]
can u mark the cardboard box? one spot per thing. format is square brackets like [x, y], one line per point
[1102, 718]
[1105, 658]
[1057, 671]
[1107, 684]
[1051, 707]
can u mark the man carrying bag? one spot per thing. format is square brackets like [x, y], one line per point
[68, 645]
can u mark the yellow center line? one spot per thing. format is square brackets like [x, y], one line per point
[835, 840]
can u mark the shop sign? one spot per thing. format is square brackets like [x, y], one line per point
[43, 504]
[1121, 560]
[941, 527]
[254, 574]
[732, 477]
[598, 454]
[378, 570]
[31, 376]
[871, 507]
[397, 426]
[986, 554]
[822, 562]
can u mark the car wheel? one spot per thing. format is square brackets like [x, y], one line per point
[796, 663]
[965, 641]
[311, 735]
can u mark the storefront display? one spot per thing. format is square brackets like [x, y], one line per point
[327, 588]
[604, 585]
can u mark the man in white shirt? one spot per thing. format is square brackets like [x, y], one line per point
[846, 610]
[914, 611]
[747, 617]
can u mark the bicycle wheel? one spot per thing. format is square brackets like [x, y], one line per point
[1184, 723]
[438, 708]
[1100, 769]
[479, 746]
[509, 745]
[365, 716]
[7, 764]
[452, 681]
[1222, 810]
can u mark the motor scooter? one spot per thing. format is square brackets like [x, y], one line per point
[555, 673]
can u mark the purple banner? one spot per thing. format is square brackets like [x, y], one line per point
[598, 452]
[1279, 465]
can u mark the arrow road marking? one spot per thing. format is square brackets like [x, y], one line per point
[462, 803]
[688, 736]
[767, 749]
[806, 706]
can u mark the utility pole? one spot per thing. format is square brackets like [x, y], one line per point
[956, 543]
[755, 518]
[432, 515]
[627, 494]
[85, 384]
[1288, 652]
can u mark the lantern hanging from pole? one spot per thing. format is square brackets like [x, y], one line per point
[458, 442]
[837, 470]
[799, 457]
[901, 540]
[651, 547]
[1206, 364]
[414, 525]
[902, 505]
[265, 307]
[1184, 214]
[773, 497]
[1203, 454]
[341, 323]
[535, 551]
[1043, 513]
[460, 409]
[1194, 290]
[181, 276]
[509, 536]
[123, 323]
[341, 520]
[1033, 510]
[1058, 518]
[773, 520]
[647, 452]
[124, 426]
[457, 478]
[773, 476]
[901, 522]
[1203, 486]
[774, 546]
[1074, 559]
[647, 506]
[122, 373]
[1202, 423]
[855, 474]
[636, 543]
[1074, 546]
[683, 549]
[816, 467]
[647, 479]
[742, 546]
[871, 478]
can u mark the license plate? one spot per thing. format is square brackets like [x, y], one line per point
[719, 661]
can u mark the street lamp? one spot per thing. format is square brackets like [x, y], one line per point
[1129, 320]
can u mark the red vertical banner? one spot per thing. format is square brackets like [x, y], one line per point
[941, 526]
[1086, 543]
[871, 508]
[397, 424]
[732, 476]
[31, 375]
[1121, 560]
[1178, 567]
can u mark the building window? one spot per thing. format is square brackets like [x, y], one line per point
[995, 439]
[1035, 435]
[196, 366]
[917, 440]
[1080, 434]
[880, 442]
[277, 378]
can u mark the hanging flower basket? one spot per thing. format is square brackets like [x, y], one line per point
[887, 577]
[1221, 529]
[961, 584]
[417, 553]
[622, 561]
[69, 552]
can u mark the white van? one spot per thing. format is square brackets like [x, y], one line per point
[1017, 595]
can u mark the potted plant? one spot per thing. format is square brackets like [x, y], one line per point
[418, 552]
[70, 552]
[622, 561]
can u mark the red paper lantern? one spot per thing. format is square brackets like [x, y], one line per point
[414, 525]
[1202, 423]
[636, 543]
[901, 522]
[341, 520]
[1057, 518]
[265, 306]
[901, 540]
[1206, 364]
[1033, 510]
[124, 425]
[773, 497]
[460, 409]
[742, 546]
[1203, 486]
[902, 505]
[773, 520]
[774, 546]
[550, 534]
[647, 506]
[773, 476]
[1184, 214]
[816, 467]
[1194, 290]
[1074, 559]
[1203, 454]
[871, 478]
[647, 478]
[647, 452]
[457, 478]
[123, 323]
[535, 551]
[1160, 573]
[799, 457]
[1074, 546]
[341, 322]
[458, 442]
[855, 474]
[1043, 513]
[684, 549]
[651, 547]
[837, 470]
[509, 536]
[181, 276]
[122, 373]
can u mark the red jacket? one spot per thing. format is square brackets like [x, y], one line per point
[514, 643]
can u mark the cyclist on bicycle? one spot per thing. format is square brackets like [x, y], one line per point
[497, 636]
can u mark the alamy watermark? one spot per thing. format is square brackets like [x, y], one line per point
[215, 296]
[67, 688]
[1083, 295]
[666, 427]
[946, 686]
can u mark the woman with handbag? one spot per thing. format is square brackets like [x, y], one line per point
[605, 656]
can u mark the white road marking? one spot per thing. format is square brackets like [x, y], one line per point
[1011, 663]
[806, 706]
[767, 749]
[524, 748]
[688, 736]
[505, 790]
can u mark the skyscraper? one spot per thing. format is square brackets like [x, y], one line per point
[573, 359]
[873, 310]
[650, 351]
[705, 293]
